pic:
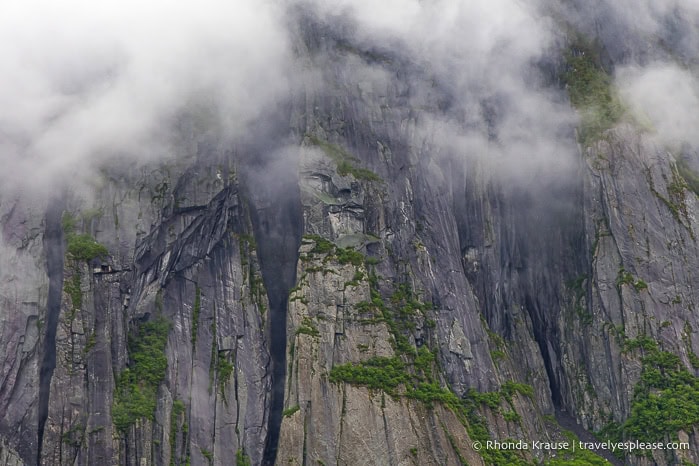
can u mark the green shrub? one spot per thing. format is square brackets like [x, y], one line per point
[490, 399]
[68, 223]
[224, 368]
[291, 411]
[591, 92]
[137, 385]
[72, 287]
[431, 392]
[377, 373]
[625, 278]
[643, 342]
[576, 456]
[509, 388]
[132, 402]
[241, 459]
[666, 398]
[345, 162]
[349, 256]
[207, 454]
[85, 248]
[178, 409]
[497, 355]
[307, 327]
[80, 247]
[322, 246]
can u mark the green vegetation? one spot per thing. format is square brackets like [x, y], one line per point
[72, 287]
[469, 414]
[258, 293]
[68, 223]
[511, 416]
[643, 342]
[376, 373]
[676, 201]
[224, 369]
[576, 456]
[195, 315]
[493, 400]
[213, 362]
[687, 340]
[399, 314]
[241, 459]
[90, 214]
[625, 278]
[411, 372]
[392, 375]
[455, 446]
[90, 342]
[349, 256]
[307, 327]
[291, 411]
[666, 398]
[345, 161]
[509, 388]
[207, 454]
[85, 248]
[677, 189]
[590, 91]
[343, 256]
[81, 247]
[577, 287]
[497, 355]
[74, 436]
[322, 245]
[690, 177]
[178, 409]
[137, 385]
[359, 277]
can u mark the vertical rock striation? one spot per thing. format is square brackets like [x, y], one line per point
[341, 286]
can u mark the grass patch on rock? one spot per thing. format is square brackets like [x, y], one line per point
[346, 162]
[135, 396]
[591, 91]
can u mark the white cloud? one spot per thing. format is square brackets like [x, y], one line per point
[482, 55]
[83, 81]
[668, 96]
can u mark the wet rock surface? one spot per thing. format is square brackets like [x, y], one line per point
[378, 246]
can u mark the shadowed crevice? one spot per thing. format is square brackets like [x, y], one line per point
[270, 183]
[53, 247]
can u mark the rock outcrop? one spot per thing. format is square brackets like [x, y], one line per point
[341, 288]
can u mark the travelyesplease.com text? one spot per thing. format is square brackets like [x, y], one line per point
[630, 445]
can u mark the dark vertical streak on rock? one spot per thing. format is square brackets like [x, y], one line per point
[271, 184]
[53, 246]
[278, 235]
[277, 232]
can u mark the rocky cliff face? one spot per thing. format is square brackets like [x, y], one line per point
[340, 286]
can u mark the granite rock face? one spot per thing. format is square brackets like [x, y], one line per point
[252, 291]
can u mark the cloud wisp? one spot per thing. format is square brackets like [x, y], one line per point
[482, 90]
[85, 82]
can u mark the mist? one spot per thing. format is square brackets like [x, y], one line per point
[478, 82]
[87, 82]
[651, 47]
[666, 96]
